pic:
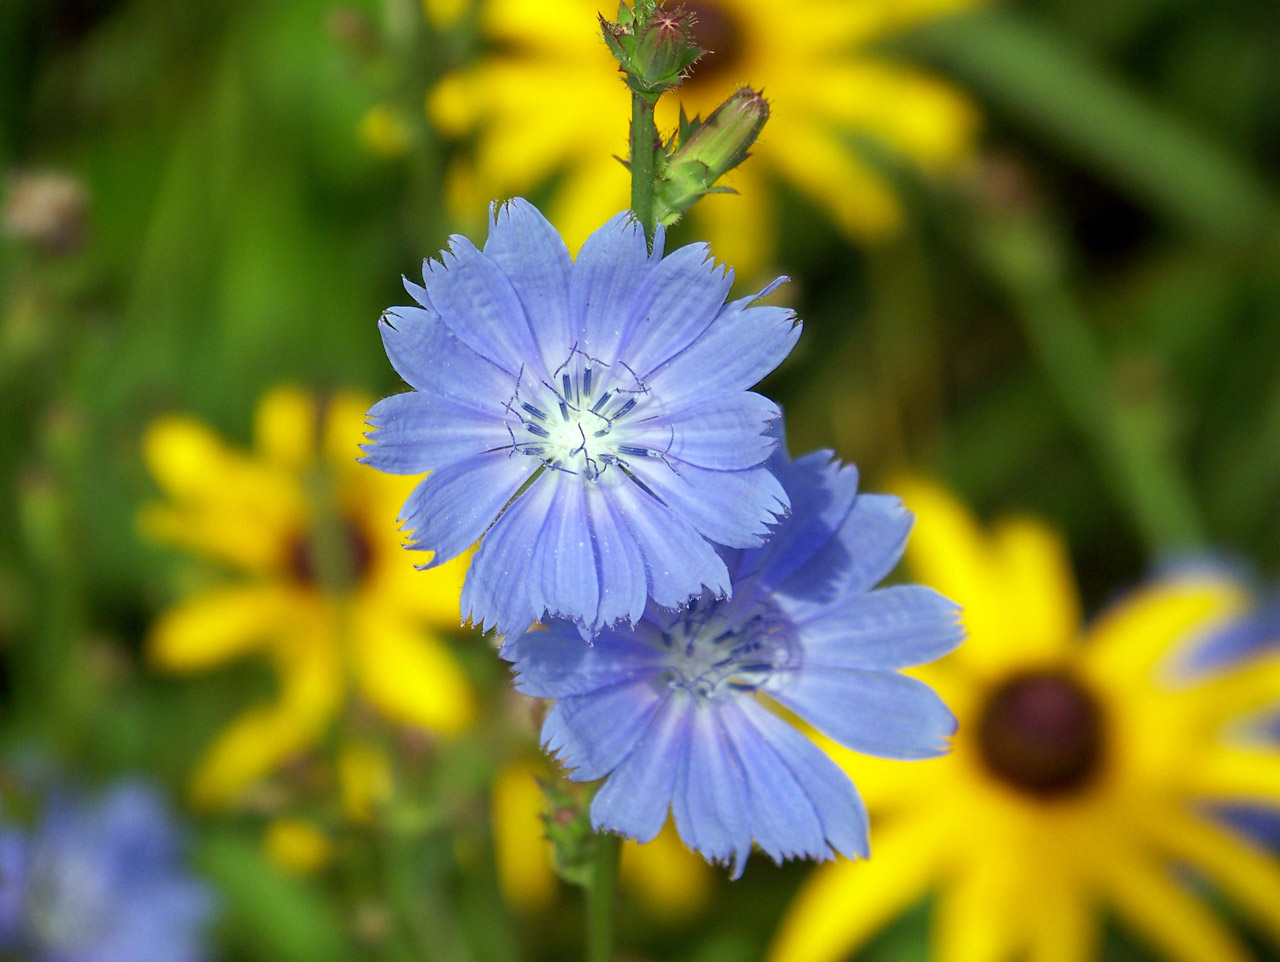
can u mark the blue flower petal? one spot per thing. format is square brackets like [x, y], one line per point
[555, 663]
[530, 252]
[864, 550]
[635, 799]
[417, 432]
[610, 270]
[496, 592]
[448, 511]
[563, 578]
[678, 561]
[833, 798]
[887, 629]
[739, 348]
[619, 562]
[475, 299]
[425, 353]
[733, 508]
[874, 712]
[592, 735]
[681, 298]
[707, 803]
[822, 493]
[725, 433]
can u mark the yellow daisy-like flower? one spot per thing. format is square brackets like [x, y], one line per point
[323, 587]
[548, 100]
[1082, 777]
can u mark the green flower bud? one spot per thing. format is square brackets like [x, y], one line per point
[709, 149]
[654, 49]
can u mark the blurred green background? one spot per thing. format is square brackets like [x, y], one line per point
[1082, 322]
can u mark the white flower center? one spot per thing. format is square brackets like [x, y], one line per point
[578, 421]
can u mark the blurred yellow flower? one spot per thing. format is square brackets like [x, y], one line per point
[664, 876]
[297, 846]
[1082, 775]
[322, 586]
[384, 132]
[548, 100]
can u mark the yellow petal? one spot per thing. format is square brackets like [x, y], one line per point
[1246, 774]
[344, 415]
[520, 844]
[1247, 874]
[365, 780]
[1163, 912]
[981, 911]
[843, 903]
[297, 846]
[1130, 638]
[444, 13]
[263, 737]
[664, 875]
[813, 158]
[408, 675]
[740, 227]
[217, 627]
[1235, 692]
[1063, 924]
[1040, 589]
[284, 428]
[591, 193]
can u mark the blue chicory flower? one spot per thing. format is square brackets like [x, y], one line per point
[589, 419]
[101, 881]
[668, 712]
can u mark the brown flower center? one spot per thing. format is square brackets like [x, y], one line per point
[323, 566]
[1042, 733]
[716, 31]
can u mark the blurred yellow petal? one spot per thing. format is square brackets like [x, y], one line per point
[1130, 639]
[364, 779]
[408, 675]
[520, 844]
[444, 13]
[1249, 875]
[1238, 774]
[1162, 912]
[591, 193]
[1062, 921]
[1040, 590]
[263, 737]
[344, 415]
[665, 876]
[284, 428]
[843, 903]
[739, 226]
[821, 166]
[296, 846]
[218, 626]
[1237, 691]
[981, 911]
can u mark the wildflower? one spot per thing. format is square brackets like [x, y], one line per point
[814, 60]
[101, 879]
[670, 710]
[321, 585]
[1082, 773]
[589, 419]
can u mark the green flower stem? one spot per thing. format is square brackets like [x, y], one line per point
[644, 152]
[601, 893]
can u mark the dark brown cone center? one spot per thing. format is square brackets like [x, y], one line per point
[304, 558]
[716, 31]
[1042, 733]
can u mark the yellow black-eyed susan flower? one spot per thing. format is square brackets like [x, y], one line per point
[1082, 776]
[319, 583]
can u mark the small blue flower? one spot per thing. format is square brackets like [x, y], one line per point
[668, 712]
[101, 881]
[589, 419]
